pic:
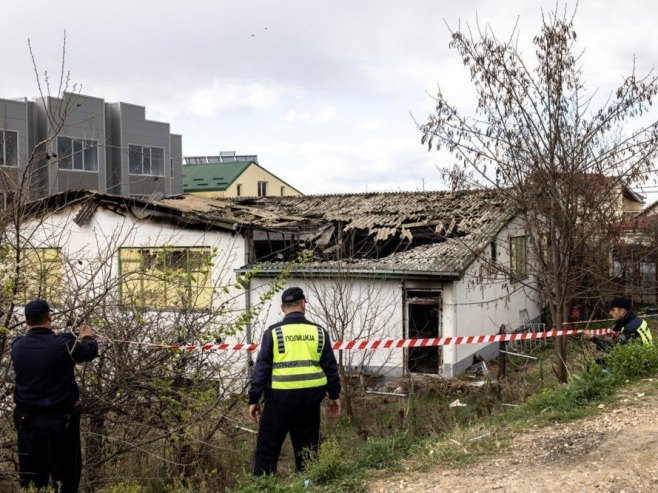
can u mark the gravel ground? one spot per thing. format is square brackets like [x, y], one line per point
[614, 451]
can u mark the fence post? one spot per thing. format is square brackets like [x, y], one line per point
[502, 357]
[412, 406]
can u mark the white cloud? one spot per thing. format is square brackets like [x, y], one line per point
[321, 115]
[223, 96]
[383, 164]
[369, 124]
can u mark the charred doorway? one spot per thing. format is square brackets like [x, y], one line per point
[423, 321]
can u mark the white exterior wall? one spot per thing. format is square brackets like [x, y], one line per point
[85, 247]
[481, 302]
[92, 251]
[373, 310]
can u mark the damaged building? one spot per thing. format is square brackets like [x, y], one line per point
[392, 265]
[376, 265]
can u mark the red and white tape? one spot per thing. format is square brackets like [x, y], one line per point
[384, 343]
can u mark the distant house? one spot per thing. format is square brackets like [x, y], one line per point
[631, 201]
[228, 175]
[635, 260]
[398, 265]
[75, 142]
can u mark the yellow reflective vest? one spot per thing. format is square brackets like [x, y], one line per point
[645, 334]
[296, 357]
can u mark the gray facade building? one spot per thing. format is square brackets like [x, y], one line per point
[53, 144]
[17, 139]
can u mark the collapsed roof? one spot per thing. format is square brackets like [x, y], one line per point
[406, 233]
[428, 232]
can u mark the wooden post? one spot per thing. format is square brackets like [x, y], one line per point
[502, 357]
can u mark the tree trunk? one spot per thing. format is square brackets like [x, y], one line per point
[94, 450]
[560, 346]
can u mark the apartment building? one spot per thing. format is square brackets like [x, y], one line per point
[53, 144]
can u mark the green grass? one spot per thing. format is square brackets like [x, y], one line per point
[460, 436]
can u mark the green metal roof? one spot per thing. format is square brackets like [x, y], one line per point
[211, 177]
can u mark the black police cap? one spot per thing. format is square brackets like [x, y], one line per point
[291, 295]
[37, 308]
[618, 302]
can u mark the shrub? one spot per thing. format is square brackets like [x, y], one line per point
[329, 465]
[633, 360]
[124, 487]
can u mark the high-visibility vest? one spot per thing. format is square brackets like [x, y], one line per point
[644, 333]
[296, 362]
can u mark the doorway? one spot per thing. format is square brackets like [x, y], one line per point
[423, 321]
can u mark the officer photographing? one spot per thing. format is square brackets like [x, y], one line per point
[46, 415]
[295, 370]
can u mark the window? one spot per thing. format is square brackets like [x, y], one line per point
[283, 191]
[518, 257]
[6, 200]
[494, 251]
[77, 154]
[168, 277]
[238, 191]
[262, 189]
[41, 274]
[618, 269]
[144, 160]
[8, 148]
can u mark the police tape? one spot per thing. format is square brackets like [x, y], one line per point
[381, 343]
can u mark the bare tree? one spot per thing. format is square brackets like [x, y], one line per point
[171, 410]
[540, 137]
[353, 309]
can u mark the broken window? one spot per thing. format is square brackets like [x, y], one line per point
[41, 273]
[518, 257]
[166, 277]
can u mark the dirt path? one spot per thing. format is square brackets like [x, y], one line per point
[615, 451]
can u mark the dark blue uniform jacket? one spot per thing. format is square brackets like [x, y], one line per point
[629, 324]
[44, 362]
[261, 381]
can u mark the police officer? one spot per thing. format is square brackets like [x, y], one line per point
[294, 371]
[46, 395]
[627, 327]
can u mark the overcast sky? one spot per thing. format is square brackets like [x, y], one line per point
[321, 91]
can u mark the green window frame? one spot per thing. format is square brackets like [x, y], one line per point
[518, 257]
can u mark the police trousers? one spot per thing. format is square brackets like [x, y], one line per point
[49, 450]
[302, 422]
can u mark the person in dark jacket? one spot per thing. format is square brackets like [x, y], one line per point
[46, 396]
[295, 370]
[627, 327]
